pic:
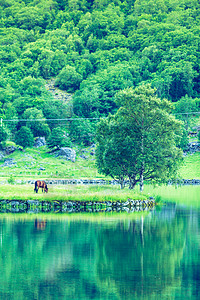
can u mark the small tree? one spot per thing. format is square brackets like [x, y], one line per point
[24, 137]
[36, 124]
[140, 141]
[58, 139]
[3, 135]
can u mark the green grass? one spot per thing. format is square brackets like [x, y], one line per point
[191, 167]
[29, 162]
[69, 193]
[187, 195]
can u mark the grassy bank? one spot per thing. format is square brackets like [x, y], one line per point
[69, 193]
[187, 195]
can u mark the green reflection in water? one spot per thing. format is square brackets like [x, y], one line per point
[151, 256]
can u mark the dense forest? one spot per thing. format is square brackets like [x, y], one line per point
[93, 49]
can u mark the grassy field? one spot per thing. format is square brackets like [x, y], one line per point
[191, 166]
[36, 163]
[69, 193]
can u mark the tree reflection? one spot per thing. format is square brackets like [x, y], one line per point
[143, 260]
[126, 259]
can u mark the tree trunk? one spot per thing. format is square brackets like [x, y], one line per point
[142, 170]
[132, 183]
[141, 181]
[121, 182]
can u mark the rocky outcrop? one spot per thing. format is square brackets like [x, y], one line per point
[10, 149]
[8, 162]
[39, 142]
[2, 155]
[193, 147]
[67, 153]
[57, 93]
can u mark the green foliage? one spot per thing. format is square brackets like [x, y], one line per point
[82, 131]
[96, 95]
[37, 122]
[139, 141]
[184, 140]
[58, 139]
[68, 79]
[95, 49]
[53, 109]
[3, 135]
[24, 137]
[11, 180]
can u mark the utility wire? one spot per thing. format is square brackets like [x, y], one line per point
[33, 120]
[76, 119]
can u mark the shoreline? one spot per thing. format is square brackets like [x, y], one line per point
[17, 206]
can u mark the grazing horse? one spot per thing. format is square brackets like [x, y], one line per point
[41, 184]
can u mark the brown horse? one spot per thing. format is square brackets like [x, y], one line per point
[41, 184]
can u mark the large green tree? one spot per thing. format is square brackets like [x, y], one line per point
[140, 140]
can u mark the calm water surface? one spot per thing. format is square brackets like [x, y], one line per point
[155, 255]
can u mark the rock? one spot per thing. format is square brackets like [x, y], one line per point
[193, 147]
[39, 142]
[1, 155]
[93, 146]
[8, 162]
[67, 153]
[10, 149]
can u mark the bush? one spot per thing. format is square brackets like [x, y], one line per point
[68, 79]
[82, 131]
[58, 139]
[3, 134]
[24, 137]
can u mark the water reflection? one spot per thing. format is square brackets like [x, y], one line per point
[152, 256]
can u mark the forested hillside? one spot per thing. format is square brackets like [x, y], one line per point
[93, 49]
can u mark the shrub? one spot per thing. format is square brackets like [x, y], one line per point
[82, 131]
[68, 79]
[24, 137]
[58, 139]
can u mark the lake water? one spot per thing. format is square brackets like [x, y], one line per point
[150, 255]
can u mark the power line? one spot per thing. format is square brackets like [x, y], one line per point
[75, 119]
[45, 120]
